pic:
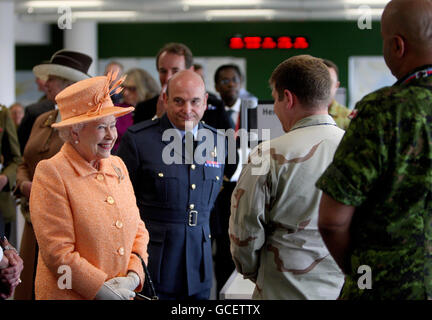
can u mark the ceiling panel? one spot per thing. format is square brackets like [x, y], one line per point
[200, 10]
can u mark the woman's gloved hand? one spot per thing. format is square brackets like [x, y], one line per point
[131, 282]
[119, 288]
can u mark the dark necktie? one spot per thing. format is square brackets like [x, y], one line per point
[231, 122]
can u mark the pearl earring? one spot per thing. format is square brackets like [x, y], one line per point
[76, 141]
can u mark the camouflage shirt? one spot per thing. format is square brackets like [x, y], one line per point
[340, 114]
[273, 228]
[383, 167]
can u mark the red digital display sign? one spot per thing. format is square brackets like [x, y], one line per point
[283, 42]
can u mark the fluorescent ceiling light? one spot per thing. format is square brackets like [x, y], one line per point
[218, 3]
[57, 4]
[103, 14]
[239, 13]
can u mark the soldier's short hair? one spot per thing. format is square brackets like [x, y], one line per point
[305, 76]
[178, 49]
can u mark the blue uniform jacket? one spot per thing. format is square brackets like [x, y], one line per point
[175, 201]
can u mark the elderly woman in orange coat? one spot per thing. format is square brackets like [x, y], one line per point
[83, 207]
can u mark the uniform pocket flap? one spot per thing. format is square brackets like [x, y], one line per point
[212, 173]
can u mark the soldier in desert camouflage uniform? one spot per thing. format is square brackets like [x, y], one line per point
[376, 208]
[274, 208]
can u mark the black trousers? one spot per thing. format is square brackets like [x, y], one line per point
[223, 263]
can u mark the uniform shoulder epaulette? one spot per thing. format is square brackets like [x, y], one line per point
[206, 126]
[144, 124]
[216, 131]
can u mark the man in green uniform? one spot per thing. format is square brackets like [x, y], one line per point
[339, 113]
[10, 159]
[376, 209]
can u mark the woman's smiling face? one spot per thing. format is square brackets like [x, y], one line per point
[96, 139]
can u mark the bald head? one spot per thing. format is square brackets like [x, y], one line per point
[185, 99]
[406, 27]
[186, 76]
[412, 19]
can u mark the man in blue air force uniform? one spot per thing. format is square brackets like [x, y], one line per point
[175, 191]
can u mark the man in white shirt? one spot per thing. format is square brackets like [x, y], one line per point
[228, 84]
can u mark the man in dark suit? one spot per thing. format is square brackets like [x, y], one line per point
[65, 68]
[175, 199]
[172, 58]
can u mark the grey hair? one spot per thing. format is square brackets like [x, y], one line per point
[65, 133]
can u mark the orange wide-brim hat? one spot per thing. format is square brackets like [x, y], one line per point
[88, 100]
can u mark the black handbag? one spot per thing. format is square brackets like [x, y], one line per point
[148, 291]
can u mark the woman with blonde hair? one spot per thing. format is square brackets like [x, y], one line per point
[138, 86]
[83, 207]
